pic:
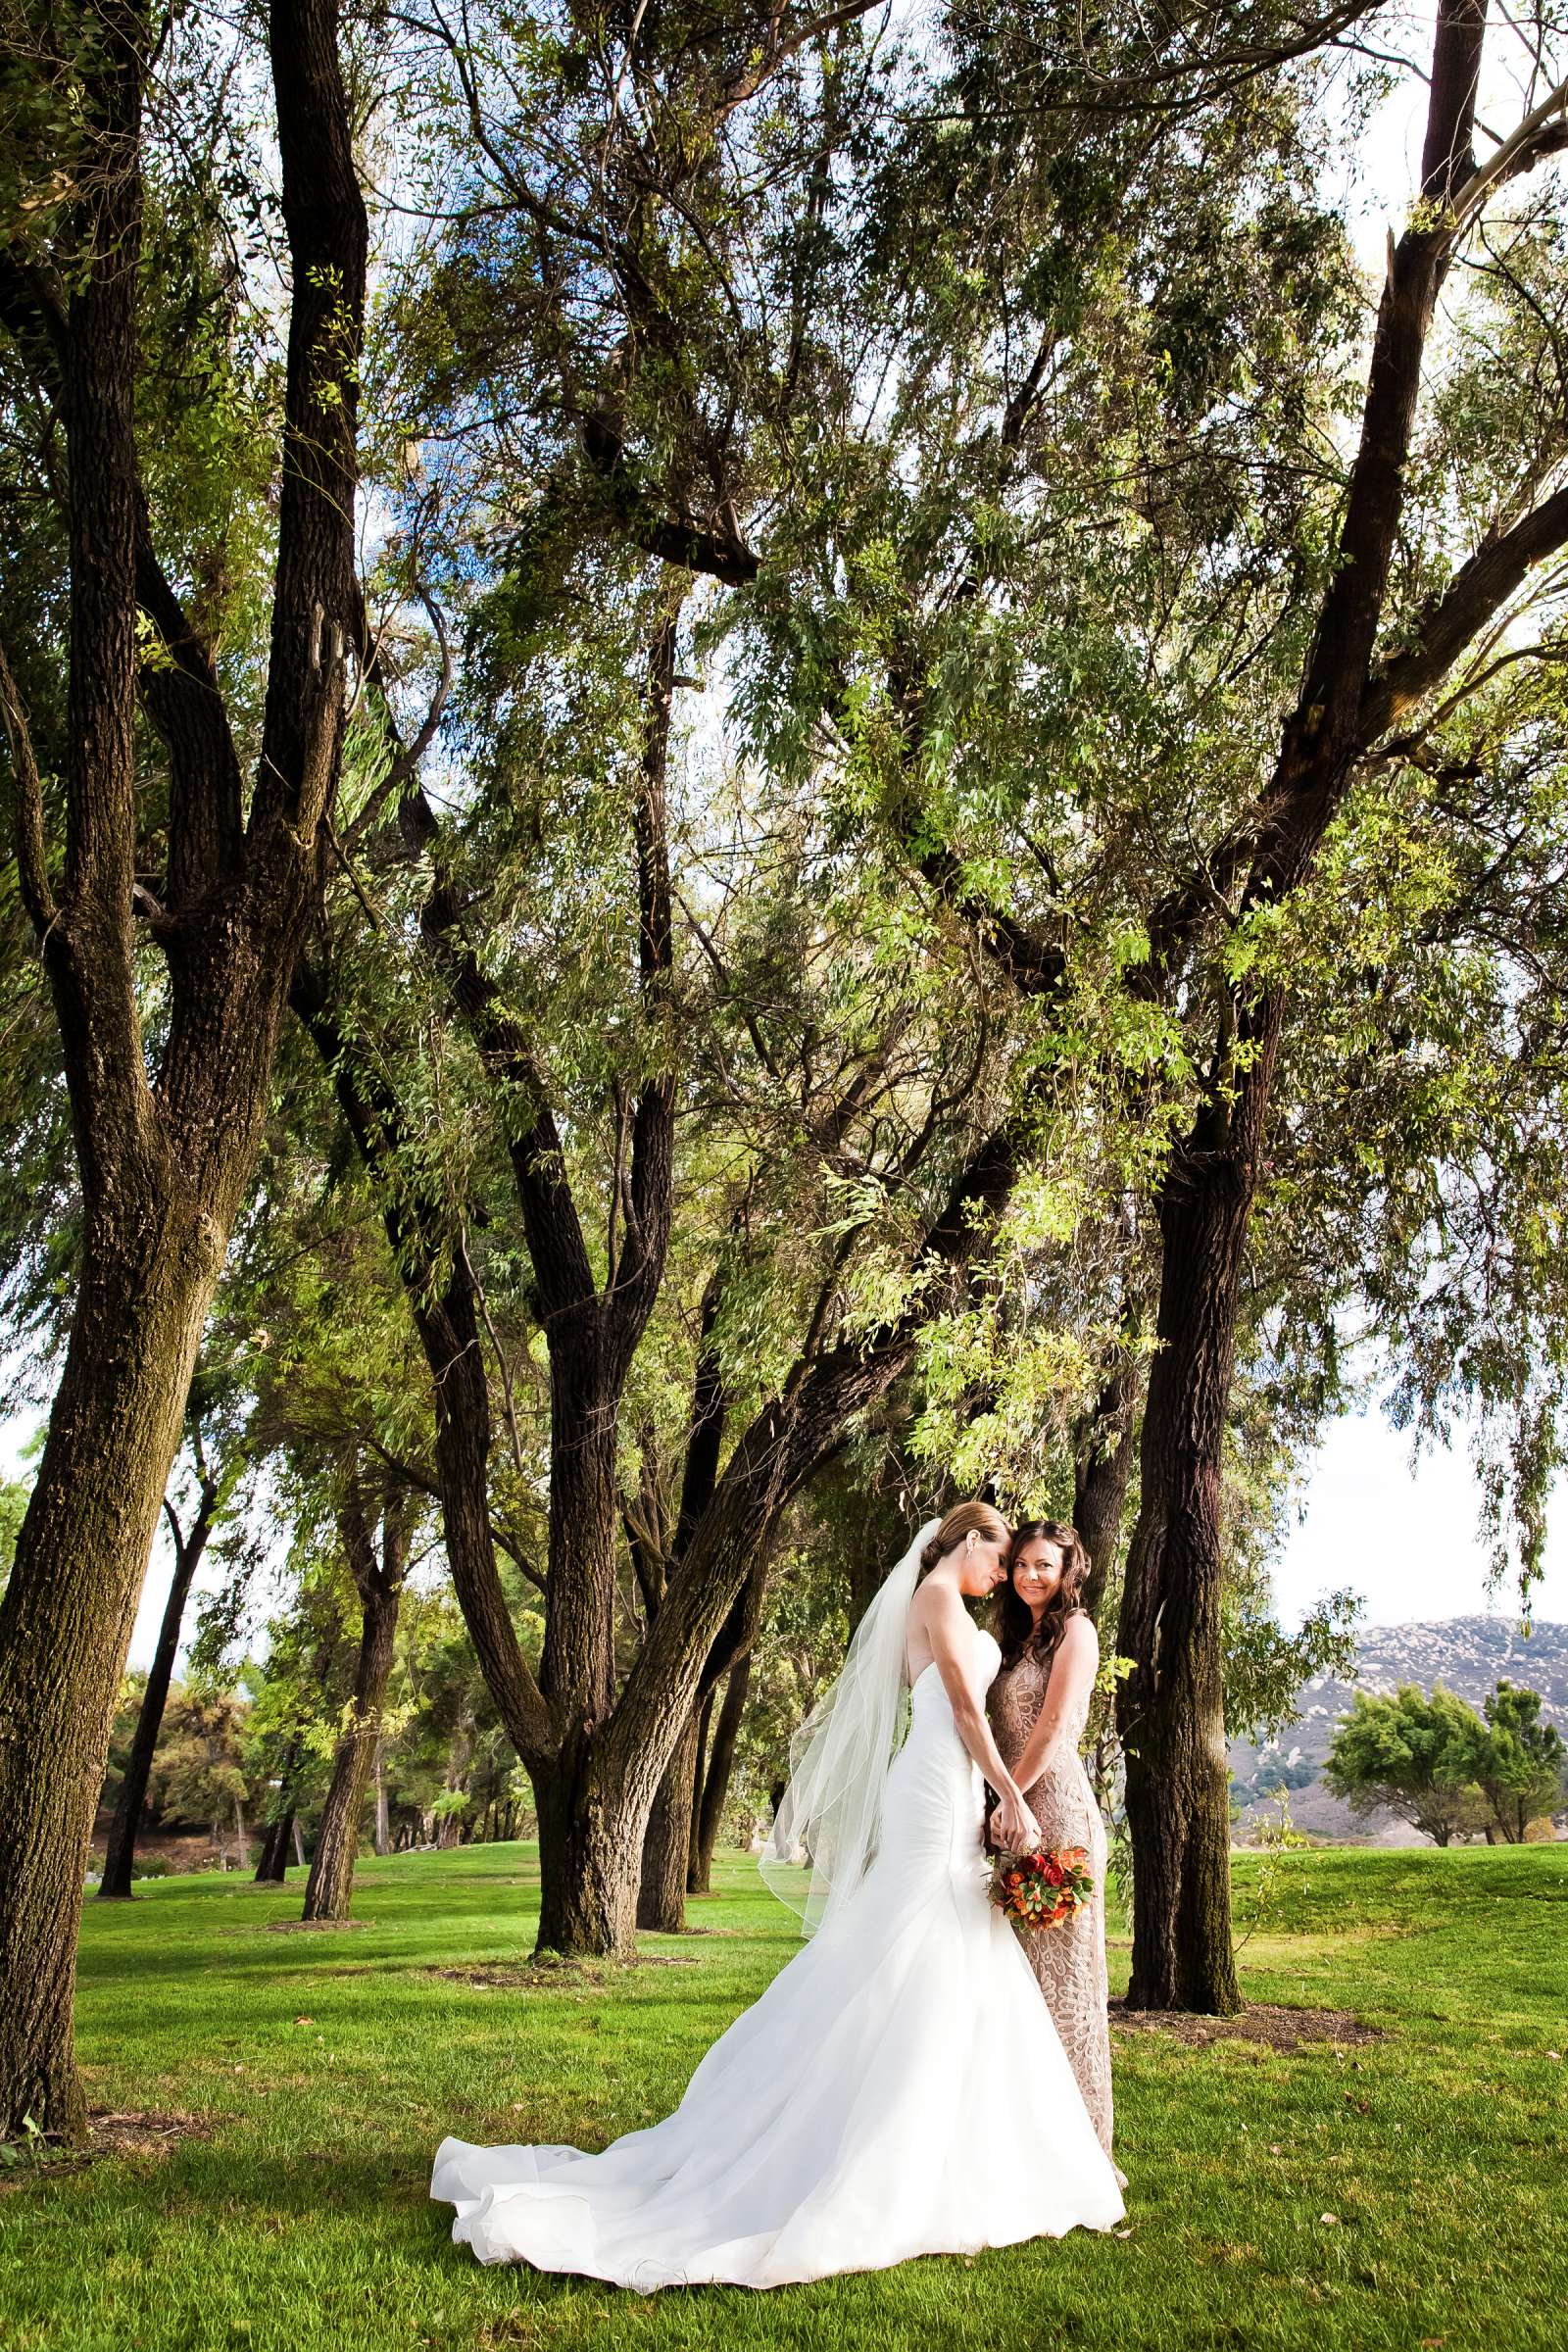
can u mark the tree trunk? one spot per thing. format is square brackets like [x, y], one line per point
[162, 1165]
[273, 1868]
[121, 1852]
[589, 1854]
[329, 1889]
[667, 1842]
[704, 1725]
[66, 1621]
[383, 1817]
[595, 1760]
[1102, 1471]
[721, 1764]
[1171, 1707]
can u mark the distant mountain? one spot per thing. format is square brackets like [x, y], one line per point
[1469, 1655]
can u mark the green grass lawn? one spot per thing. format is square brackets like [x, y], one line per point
[328, 2065]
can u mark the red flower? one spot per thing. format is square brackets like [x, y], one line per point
[1052, 1873]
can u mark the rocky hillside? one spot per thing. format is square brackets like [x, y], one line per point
[1469, 1654]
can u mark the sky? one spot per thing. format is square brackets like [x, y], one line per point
[1408, 1540]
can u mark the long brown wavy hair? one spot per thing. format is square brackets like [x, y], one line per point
[1016, 1629]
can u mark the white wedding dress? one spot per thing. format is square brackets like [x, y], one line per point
[897, 2089]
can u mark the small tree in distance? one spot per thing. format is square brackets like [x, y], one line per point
[199, 1772]
[1519, 1762]
[1412, 1756]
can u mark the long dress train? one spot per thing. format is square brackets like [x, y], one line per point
[863, 2110]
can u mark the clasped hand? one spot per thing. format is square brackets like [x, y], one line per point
[1012, 1825]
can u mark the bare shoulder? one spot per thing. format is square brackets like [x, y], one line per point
[935, 1606]
[1079, 1639]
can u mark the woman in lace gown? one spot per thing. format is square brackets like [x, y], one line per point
[1039, 1705]
[863, 2110]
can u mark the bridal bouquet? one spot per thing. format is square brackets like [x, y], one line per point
[1038, 1891]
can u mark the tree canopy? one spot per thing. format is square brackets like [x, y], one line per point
[764, 765]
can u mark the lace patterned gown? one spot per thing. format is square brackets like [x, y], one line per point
[1069, 1959]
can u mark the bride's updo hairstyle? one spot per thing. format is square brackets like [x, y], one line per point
[1016, 1629]
[967, 1518]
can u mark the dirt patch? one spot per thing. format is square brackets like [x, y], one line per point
[1279, 2029]
[118, 2131]
[506, 1979]
[308, 1926]
[150, 2131]
[540, 1976]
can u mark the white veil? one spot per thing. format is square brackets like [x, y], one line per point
[829, 1819]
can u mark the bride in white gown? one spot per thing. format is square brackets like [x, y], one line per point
[900, 2088]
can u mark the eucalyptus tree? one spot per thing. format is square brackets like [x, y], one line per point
[680, 1121]
[1376, 658]
[152, 854]
[1062, 625]
[1211, 624]
[655, 340]
[831, 1117]
[1353, 690]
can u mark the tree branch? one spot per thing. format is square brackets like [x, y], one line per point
[1543, 132]
[182, 697]
[638, 1270]
[185, 703]
[1477, 592]
[780, 1449]
[32, 862]
[674, 539]
[313, 605]
[448, 1327]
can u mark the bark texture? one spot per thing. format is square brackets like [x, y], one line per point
[721, 1764]
[668, 1841]
[272, 1868]
[378, 1581]
[163, 1160]
[1170, 1708]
